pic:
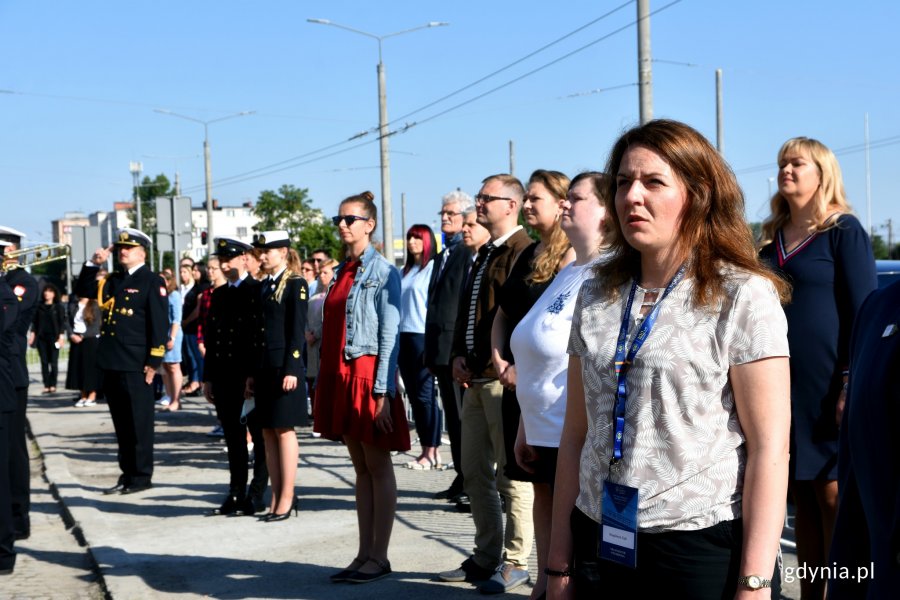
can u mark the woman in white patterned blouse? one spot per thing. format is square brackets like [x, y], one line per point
[681, 439]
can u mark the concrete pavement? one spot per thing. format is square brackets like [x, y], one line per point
[160, 544]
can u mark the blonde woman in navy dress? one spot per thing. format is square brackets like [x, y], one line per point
[816, 244]
[280, 383]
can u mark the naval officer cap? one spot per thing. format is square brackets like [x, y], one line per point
[128, 236]
[272, 239]
[10, 235]
[228, 248]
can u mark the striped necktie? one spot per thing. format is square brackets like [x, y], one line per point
[484, 255]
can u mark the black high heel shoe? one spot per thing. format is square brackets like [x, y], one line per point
[273, 517]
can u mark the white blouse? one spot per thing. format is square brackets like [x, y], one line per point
[683, 444]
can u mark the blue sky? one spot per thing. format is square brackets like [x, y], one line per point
[80, 81]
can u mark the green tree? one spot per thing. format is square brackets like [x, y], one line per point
[879, 247]
[290, 209]
[157, 187]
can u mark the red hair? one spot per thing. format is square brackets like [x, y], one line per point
[429, 245]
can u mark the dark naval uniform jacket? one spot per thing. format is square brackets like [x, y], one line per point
[135, 317]
[231, 331]
[284, 323]
[867, 530]
[9, 308]
[25, 289]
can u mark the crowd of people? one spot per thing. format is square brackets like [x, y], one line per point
[628, 379]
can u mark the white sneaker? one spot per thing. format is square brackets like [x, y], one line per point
[81, 403]
[164, 401]
[88, 402]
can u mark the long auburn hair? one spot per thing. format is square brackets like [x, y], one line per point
[546, 264]
[429, 246]
[713, 231]
[829, 198]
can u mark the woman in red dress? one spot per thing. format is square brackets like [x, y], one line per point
[356, 394]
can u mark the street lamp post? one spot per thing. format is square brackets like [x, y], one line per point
[387, 216]
[206, 164]
[135, 168]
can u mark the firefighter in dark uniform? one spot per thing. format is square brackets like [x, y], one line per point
[25, 289]
[230, 355]
[9, 307]
[132, 345]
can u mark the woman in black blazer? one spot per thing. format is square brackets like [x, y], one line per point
[280, 382]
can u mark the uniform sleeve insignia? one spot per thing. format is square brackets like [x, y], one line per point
[159, 351]
[303, 293]
[296, 354]
[162, 291]
[19, 290]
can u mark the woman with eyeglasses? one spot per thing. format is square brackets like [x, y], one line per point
[418, 380]
[356, 396]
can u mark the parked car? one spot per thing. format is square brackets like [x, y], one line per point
[888, 272]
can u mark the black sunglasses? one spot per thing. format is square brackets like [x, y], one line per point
[347, 219]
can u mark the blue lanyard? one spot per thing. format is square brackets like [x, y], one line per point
[624, 361]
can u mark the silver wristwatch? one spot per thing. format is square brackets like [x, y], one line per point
[754, 582]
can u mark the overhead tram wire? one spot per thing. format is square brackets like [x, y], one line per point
[873, 145]
[541, 68]
[264, 171]
[512, 64]
[244, 176]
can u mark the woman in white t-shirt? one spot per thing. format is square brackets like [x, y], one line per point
[539, 343]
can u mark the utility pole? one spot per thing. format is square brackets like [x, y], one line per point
[890, 228]
[136, 168]
[403, 212]
[207, 166]
[720, 126]
[645, 73]
[868, 179]
[512, 158]
[387, 213]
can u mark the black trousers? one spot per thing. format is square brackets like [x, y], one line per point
[7, 529]
[130, 402]
[19, 467]
[49, 354]
[701, 565]
[447, 387]
[228, 394]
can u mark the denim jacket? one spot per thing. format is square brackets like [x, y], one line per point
[373, 317]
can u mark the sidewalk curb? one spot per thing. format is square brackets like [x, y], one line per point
[72, 526]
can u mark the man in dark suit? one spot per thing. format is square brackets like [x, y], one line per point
[867, 531]
[25, 289]
[8, 311]
[448, 277]
[231, 326]
[132, 344]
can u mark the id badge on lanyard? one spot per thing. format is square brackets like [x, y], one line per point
[618, 535]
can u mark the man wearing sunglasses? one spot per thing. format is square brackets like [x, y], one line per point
[500, 562]
[319, 256]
